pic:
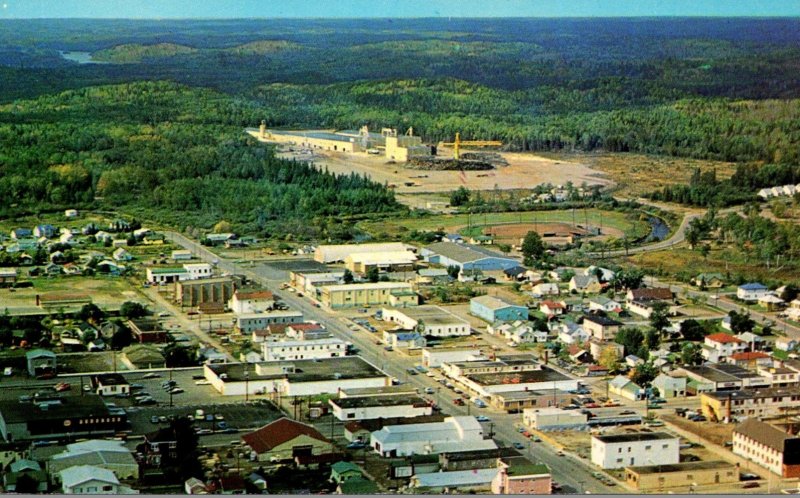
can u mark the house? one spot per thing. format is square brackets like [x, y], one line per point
[518, 332]
[121, 254]
[751, 292]
[604, 274]
[751, 360]
[649, 294]
[108, 454]
[552, 308]
[545, 289]
[602, 303]
[771, 302]
[284, 439]
[572, 333]
[669, 386]
[91, 480]
[454, 433]
[251, 301]
[142, 356]
[306, 331]
[344, 471]
[181, 255]
[588, 284]
[623, 386]
[40, 362]
[52, 269]
[372, 407]
[27, 469]
[492, 309]
[633, 361]
[515, 273]
[47, 231]
[430, 276]
[430, 321]
[719, 346]
[785, 344]
[109, 267]
[466, 257]
[601, 327]
[110, 384]
[194, 486]
[617, 451]
[8, 276]
[66, 238]
[709, 280]
[521, 476]
[399, 339]
[768, 447]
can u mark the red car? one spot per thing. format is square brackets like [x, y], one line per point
[458, 401]
[61, 386]
[526, 434]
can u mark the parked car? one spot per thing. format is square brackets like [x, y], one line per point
[749, 485]
[176, 390]
[482, 418]
[429, 390]
[356, 445]
[519, 446]
[61, 387]
[154, 419]
[151, 375]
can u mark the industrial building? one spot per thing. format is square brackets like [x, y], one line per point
[371, 407]
[434, 358]
[389, 261]
[396, 294]
[454, 433]
[197, 292]
[492, 309]
[327, 254]
[466, 257]
[430, 321]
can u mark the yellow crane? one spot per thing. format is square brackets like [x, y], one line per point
[476, 143]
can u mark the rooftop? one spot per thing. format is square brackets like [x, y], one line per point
[263, 294]
[373, 391]
[463, 253]
[368, 401]
[763, 433]
[433, 315]
[345, 367]
[70, 407]
[492, 302]
[521, 466]
[634, 437]
[723, 338]
[602, 320]
[368, 286]
[530, 376]
[279, 432]
[754, 393]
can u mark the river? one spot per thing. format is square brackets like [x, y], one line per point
[79, 57]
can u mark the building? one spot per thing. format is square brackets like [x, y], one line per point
[251, 301]
[521, 476]
[545, 289]
[434, 358]
[147, 330]
[649, 294]
[723, 377]
[166, 275]
[735, 405]
[430, 276]
[327, 254]
[542, 379]
[246, 323]
[518, 332]
[344, 471]
[110, 384]
[396, 294]
[371, 407]
[199, 291]
[47, 231]
[602, 303]
[588, 284]
[634, 449]
[516, 401]
[492, 309]
[709, 280]
[601, 327]
[91, 480]
[330, 347]
[552, 308]
[431, 321]
[771, 302]
[751, 292]
[108, 454]
[142, 356]
[768, 447]
[780, 376]
[40, 362]
[554, 419]
[181, 255]
[466, 257]
[751, 360]
[719, 346]
[686, 476]
[306, 331]
[500, 364]
[8, 276]
[403, 147]
[363, 262]
[454, 433]
[669, 386]
[295, 378]
[626, 388]
[401, 339]
[59, 417]
[461, 481]
[285, 439]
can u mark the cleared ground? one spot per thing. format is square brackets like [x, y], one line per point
[106, 292]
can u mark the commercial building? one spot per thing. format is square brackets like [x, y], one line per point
[520, 476]
[285, 439]
[768, 447]
[762, 403]
[554, 419]
[330, 347]
[434, 358]
[40, 362]
[466, 257]
[110, 384]
[338, 253]
[360, 392]
[454, 433]
[492, 309]
[401, 148]
[363, 262]
[633, 449]
[431, 321]
[516, 401]
[166, 275]
[543, 379]
[396, 294]
[147, 330]
[723, 377]
[685, 476]
[626, 388]
[401, 339]
[295, 378]
[246, 323]
[719, 346]
[257, 301]
[669, 386]
[195, 292]
[371, 407]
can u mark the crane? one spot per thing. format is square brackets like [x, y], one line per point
[458, 143]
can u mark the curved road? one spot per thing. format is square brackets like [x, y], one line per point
[676, 238]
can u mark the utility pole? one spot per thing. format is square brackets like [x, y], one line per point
[170, 388]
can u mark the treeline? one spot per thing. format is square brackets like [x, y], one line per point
[704, 189]
[166, 152]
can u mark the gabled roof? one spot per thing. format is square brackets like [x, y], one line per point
[763, 433]
[278, 433]
[723, 338]
[582, 281]
[73, 476]
[752, 286]
[515, 270]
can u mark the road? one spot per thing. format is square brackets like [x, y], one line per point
[676, 238]
[568, 470]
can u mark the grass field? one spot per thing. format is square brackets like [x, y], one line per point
[638, 174]
[621, 222]
[104, 291]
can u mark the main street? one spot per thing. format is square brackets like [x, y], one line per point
[570, 471]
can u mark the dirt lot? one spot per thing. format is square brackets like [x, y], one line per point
[715, 433]
[106, 292]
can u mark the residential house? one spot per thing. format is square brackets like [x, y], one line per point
[552, 308]
[751, 360]
[717, 347]
[515, 273]
[107, 454]
[401, 339]
[545, 289]
[572, 333]
[285, 439]
[91, 480]
[251, 301]
[633, 361]
[785, 344]
[586, 284]
[344, 471]
[8, 276]
[709, 280]
[110, 384]
[751, 291]
[518, 332]
[601, 327]
[649, 294]
[768, 447]
[27, 469]
[771, 302]
[602, 303]
[121, 254]
[492, 309]
[47, 231]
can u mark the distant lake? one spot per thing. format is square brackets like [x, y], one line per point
[80, 57]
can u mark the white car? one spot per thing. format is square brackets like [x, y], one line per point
[202, 382]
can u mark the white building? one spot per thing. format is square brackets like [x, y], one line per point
[181, 255]
[635, 449]
[602, 303]
[331, 347]
[545, 289]
[248, 322]
[337, 253]
[433, 358]
[91, 480]
[751, 292]
[452, 434]
[372, 407]
[71, 213]
[717, 347]
[572, 333]
[553, 418]
[251, 301]
[198, 270]
[430, 321]
[518, 332]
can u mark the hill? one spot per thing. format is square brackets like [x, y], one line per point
[137, 53]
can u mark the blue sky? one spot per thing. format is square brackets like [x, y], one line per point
[390, 8]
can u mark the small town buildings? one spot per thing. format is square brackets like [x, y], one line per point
[147, 330]
[372, 407]
[516, 401]
[203, 291]
[461, 481]
[47, 231]
[452, 434]
[588, 284]
[434, 358]
[107, 454]
[344, 471]
[257, 301]
[597, 346]
[395, 294]
[669, 386]
[545, 289]
[768, 447]
[751, 360]
[110, 384]
[571, 333]
[330, 347]
[779, 376]
[163, 275]
[246, 323]
[306, 331]
[431, 276]
[91, 480]
[181, 255]
[327, 254]
[142, 356]
[466, 257]
[602, 303]
[617, 451]
[357, 487]
[70, 213]
[363, 262]
[717, 347]
[25, 469]
[649, 294]
[8, 276]
[431, 321]
[515, 273]
[492, 309]
[552, 308]
[722, 377]
[520, 476]
[40, 362]
[785, 343]
[725, 406]
[751, 292]
[684, 476]
[771, 302]
[285, 439]
[540, 379]
[709, 280]
[554, 419]
[601, 327]
[402, 339]
[624, 387]
[518, 332]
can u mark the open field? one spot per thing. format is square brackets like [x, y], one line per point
[589, 218]
[105, 291]
[715, 433]
[524, 170]
[638, 174]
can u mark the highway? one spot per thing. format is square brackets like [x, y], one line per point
[568, 470]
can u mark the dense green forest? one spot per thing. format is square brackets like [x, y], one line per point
[170, 153]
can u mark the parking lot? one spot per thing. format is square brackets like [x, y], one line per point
[235, 416]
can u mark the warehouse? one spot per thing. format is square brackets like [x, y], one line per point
[466, 257]
[545, 379]
[387, 261]
[338, 253]
[434, 321]
[492, 309]
[371, 407]
[434, 358]
[453, 434]
[397, 294]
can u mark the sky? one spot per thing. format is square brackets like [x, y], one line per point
[204, 9]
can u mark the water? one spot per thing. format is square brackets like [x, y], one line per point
[658, 229]
[79, 57]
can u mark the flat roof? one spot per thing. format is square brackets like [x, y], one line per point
[373, 391]
[768, 392]
[321, 135]
[367, 401]
[429, 314]
[368, 286]
[634, 437]
[543, 375]
[159, 271]
[494, 303]
[712, 374]
[14, 411]
[523, 395]
[247, 316]
[345, 367]
[680, 467]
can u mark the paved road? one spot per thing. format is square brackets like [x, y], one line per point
[570, 471]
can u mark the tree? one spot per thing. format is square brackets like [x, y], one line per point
[790, 293]
[692, 330]
[347, 277]
[91, 313]
[459, 197]
[373, 275]
[504, 248]
[741, 322]
[652, 340]
[644, 374]
[659, 317]
[132, 309]
[122, 338]
[631, 338]
[179, 356]
[532, 247]
[453, 271]
[691, 354]
[609, 358]
[628, 279]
